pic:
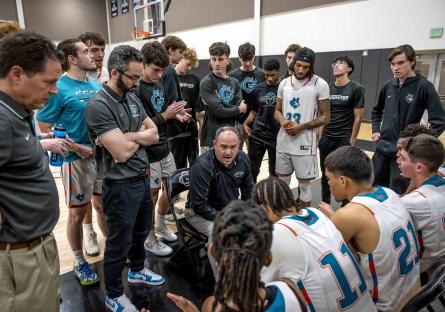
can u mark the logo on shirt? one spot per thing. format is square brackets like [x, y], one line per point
[184, 179]
[80, 197]
[248, 84]
[186, 85]
[409, 98]
[157, 100]
[226, 94]
[239, 174]
[295, 102]
[269, 99]
[339, 97]
[134, 109]
[27, 137]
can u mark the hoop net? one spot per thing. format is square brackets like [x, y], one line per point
[138, 34]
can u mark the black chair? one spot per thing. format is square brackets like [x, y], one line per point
[433, 290]
[193, 242]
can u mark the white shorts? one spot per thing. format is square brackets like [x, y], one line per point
[305, 166]
[78, 178]
[161, 169]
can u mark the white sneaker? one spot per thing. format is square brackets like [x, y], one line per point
[90, 243]
[165, 234]
[157, 247]
[120, 304]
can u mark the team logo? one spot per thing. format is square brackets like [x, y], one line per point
[157, 100]
[239, 174]
[295, 102]
[80, 197]
[409, 98]
[270, 98]
[248, 84]
[134, 109]
[226, 94]
[184, 179]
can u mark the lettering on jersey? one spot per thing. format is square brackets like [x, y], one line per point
[157, 100]
[248, 84]
[339, 97]
[294, 103]
[269, 99]
[226, 94]
[84, 95]
[305, 147]
[239, 174]
[186, 85]
[409, 98]
[403, 245]
[134, 109]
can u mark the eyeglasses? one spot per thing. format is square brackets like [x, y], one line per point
[134, 78]
[339, 63]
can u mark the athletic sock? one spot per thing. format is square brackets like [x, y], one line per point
[160, 221]
[78, 256]
[87, 228]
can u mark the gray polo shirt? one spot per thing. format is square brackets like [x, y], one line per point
[106, 112]
[28, 194]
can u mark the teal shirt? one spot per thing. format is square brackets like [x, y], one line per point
[67, 108]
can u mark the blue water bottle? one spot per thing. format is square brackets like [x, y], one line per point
[57, 159]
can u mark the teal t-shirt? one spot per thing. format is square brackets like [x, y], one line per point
[67, 109]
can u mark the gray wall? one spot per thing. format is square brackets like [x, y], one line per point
[121, 25]
[65, 19]
[279, 6]
[8, 10]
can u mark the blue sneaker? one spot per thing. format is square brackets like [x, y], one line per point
[145, 276]
[120, 304]
[85, 274]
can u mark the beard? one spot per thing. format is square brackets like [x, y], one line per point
[121, 85]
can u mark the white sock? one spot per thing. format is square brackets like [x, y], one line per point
[78, 256]
[160, 221]
[151, 236]
[87, 228]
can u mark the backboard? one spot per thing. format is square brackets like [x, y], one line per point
[149, 20]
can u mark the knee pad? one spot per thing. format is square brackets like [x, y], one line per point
[305, 192]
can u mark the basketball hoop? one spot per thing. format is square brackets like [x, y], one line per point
[138, 34]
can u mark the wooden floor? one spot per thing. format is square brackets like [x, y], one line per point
[65, 253]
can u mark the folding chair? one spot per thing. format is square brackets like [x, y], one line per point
[433, 290]
[192, 240]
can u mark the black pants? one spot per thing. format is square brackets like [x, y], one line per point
[183, 150]
[387, 173]
[256, 152]
[327, 146]
[128, 207]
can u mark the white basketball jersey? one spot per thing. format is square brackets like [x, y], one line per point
[333, 280]
[300, 104]
[426, 205]
[442, 171]
[285, 299]
[392, 269]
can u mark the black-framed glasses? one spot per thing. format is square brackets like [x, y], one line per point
[134, 78]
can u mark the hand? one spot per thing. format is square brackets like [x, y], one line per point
[48, 135]
[183, 117]
[182, 303]
[83, 151]
[173, 109]
[293, 128]
[376, 136]
[246, 130]
[326, 209]
[352, 141]
[242, 107]
[58, 146]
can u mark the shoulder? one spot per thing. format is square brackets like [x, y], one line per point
[415, 199]
[235, 73]
[242, 156]
[203, 162]
[5, 118]
[206, 80]
[319, 81]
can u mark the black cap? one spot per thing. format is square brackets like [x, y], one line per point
[305, 55]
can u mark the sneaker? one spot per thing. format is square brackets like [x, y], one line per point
[169, 219]
[165, 234]
[85, 274]
[145, 276]
[90, 243]
[157, 247]
[179, 210]
[120, 304]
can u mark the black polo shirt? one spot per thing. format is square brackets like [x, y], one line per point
[28, 194]
[106, 112]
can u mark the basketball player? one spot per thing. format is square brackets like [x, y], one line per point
[378, 227]
[302, 106]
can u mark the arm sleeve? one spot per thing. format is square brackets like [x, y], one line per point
[50, 113]
[418, 208]
[6, 140]
[210, 97]
[436, 112]
[359, 97]
[99, 118]
[199, 190]
[377, 111]
[288, 257]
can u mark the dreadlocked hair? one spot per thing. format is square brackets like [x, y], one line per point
[274, 193]
[242, 237]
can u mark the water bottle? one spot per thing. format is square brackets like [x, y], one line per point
[57, 159]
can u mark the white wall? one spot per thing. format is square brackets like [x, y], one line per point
[354, 25]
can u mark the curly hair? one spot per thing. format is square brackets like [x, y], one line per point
[7, 27]
[242, 238]
[190, 54]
